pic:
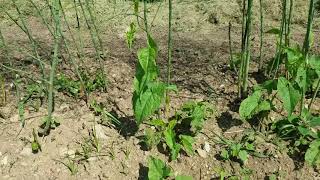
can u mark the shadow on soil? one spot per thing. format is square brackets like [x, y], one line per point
[143, 172]
[226, 121]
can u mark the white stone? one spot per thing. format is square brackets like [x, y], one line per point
[4, 161]
[207, 147]
[202, 153]
[100, 132]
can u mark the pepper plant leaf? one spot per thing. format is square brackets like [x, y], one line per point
[158, 170]
[288, 94]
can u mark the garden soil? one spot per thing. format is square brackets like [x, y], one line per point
[200, 71]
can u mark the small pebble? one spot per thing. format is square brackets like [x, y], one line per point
[100, 132]
[4, 161]
[207, 147]
[202, 153]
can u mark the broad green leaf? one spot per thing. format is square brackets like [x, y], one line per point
[294, 61]
[314, 122]
[198, 116]
[235, 149]
[248, 105]
[314, 63]
[288, 94]
[146, 58]
[313, 153]
[187, 143]
[182, 177]
[306, 132]
[301, 78]
[158, 123]
[267, 85]
[152, 44]
[158, 170]
[225, 154]
[263, 106]
[170, 139]
[243, 155]
[149, 101]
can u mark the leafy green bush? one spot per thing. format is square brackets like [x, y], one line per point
[178, 133]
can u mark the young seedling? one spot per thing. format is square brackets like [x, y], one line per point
[127, 152]
[158, 169]
[35, 145]
[106, 117]
[94, 140]
[131, 35]
[112, 152]
[179, 131]
[71, 165]
[238, 151]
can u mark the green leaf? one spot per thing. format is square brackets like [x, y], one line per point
[263, 106]
[306, 132]
[294, 61]
[243, 155]
[187, 143]
[314, 63]
[235, 149]
[21, 106]
[301, 78]
[170, 139]
[151, 138]
[198, 115]
[288, 94]
[182, 177]
[158, 170]
[248, 105]
[158, 123]
[152, 44]
[147, 58]
[272, 177]
[312, 155]
[225, 154]
[149, 101]
[314, 122]
[130, 35]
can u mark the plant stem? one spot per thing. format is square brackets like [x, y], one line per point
[306, 45]
[145, 18]
[276, 61]
[232, 65]
[170, 46]
[77, 14]
[288, 30]
[261, 33]
[55, 60]
[247, 49]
